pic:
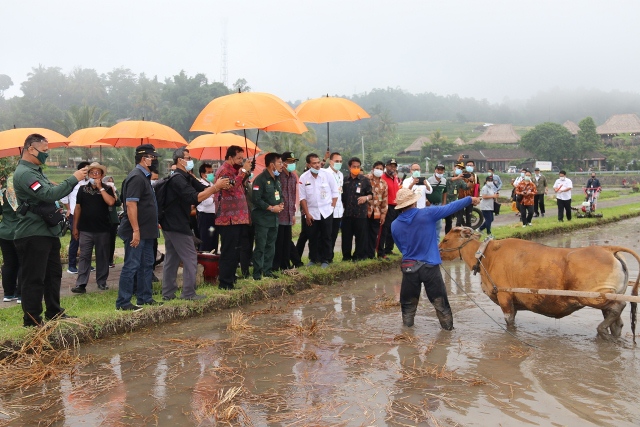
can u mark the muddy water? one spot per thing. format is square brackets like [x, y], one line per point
[339, 356]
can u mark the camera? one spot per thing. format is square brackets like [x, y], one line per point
[232, 182]
[465, 156]
[65, 226]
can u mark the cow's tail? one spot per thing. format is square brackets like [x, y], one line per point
[634, 290]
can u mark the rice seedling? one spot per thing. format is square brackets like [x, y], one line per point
[238, 322]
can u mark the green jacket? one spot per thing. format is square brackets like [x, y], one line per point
[266, 191]
[32, 186]
[9, 219]
[453, 187]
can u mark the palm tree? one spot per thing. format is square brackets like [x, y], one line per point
[80, 118]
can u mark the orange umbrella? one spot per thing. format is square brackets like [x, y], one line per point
[89, 137]
[330, 109]
[245, 110]
[213, 146]
[131, 133]
[289, 126]
[12, 140]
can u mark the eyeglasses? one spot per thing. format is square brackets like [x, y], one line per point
[95, 172]
[149, 156]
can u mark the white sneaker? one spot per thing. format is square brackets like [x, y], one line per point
[524, 225]
[9, 298]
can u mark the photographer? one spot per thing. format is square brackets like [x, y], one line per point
[471, 180]
[37, 241]
[526, 191]
[183, 191]
[91, 227]
[418, 185]
[232, 213]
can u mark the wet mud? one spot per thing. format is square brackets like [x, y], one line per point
[340, 356]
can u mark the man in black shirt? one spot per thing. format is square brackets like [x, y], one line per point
[183, 191]
[356, 192]
[138, 229]
[91, 227]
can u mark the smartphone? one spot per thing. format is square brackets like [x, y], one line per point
[421, 180]
[465, 156]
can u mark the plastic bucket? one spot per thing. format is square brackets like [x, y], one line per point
[210, 264]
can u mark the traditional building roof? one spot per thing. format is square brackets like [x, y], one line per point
[416, 145]
[496, 154]
[498, 134]
[571, 127]
[459, 141]
[620, 123]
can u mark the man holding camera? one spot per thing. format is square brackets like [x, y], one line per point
[232, 217]
[38, 242]
[91, 227]
[418, 185]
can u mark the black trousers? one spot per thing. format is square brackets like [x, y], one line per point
[526, 213]
[247, 236]
[448, 223]
[304, 235]
[230, 249]
[354, 227]
[113, 233]
[320, 248]
[73, 247]
[386, 239]
[40, 276]
[463, 216]
[564, 206]
[282, 256]
[538, 202]
[208, 237]
[335, 228]
[10, 268]
[374, 230]
[436, 291]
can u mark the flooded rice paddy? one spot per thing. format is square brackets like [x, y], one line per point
[339, 356]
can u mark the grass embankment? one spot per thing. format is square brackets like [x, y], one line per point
[97, 317]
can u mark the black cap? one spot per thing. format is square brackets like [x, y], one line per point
[392, 162]
[288, 155]
[536, 169]
[440, 166]
[147, 149]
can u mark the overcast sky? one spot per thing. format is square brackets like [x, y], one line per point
[299, 49]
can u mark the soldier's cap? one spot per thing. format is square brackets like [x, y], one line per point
[440, 166]
[96, 165]
[460, 165]
[147, 149]
[288, 156]
[392, 162]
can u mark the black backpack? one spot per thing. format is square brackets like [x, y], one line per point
[160, 188]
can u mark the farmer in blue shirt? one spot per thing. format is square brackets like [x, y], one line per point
[414, 234]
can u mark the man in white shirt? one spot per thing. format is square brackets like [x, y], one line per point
[69, 203]
[318, 197]
[207, 212]
[419, 185]
[335, 164]
[562, 187]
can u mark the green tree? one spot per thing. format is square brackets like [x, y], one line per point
[5, 83]
[588, 139]
[241, 86]
[550, 141]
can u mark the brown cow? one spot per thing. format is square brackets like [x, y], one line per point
[515, 263]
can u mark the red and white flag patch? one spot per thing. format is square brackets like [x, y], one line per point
[256, 188]
[36, 186]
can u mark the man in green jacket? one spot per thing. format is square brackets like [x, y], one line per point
[267, 204]
[37, 242]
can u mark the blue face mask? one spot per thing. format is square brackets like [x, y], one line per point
[189, 165]
[415, 174]
[315, 171]
[469, 169]
[92, 181]
[291, 167]
[458, 171]
[210, 177]
[251, 176]
[276, 172]
[522, 174]
[337, 166]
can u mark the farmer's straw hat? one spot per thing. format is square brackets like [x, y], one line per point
[406, 197]
[96, 165]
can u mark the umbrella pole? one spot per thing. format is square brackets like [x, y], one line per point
[327, 136]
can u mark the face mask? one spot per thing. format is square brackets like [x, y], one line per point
[337, 166]
[189, 165]
[92, 181]
[415, 174]
[210, 177]
[490, 173]
[42, 156]
[276, 172]
[562, 178]
[378, 173]
[527, 178]
[458, 171]
[355, 171]
[315, 171]
[251, 176]
[490, 181]
[291, 167]
[469, 169]
[521, 174]
[153, 182]
[439, 175]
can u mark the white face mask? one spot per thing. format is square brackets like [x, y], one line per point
[439, 175]
[378, 173]
[562, 178]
